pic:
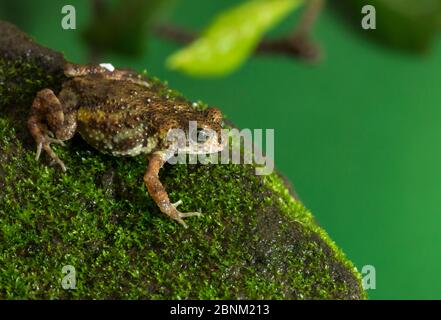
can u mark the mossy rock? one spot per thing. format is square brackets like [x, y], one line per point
[256, 241]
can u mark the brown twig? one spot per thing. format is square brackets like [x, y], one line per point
[298, 44]
[309, 17]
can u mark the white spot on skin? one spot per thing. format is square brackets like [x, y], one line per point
[107, 66]
[137, 150]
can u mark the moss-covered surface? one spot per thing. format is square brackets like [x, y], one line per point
[254, 240]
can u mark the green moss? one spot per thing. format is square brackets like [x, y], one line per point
[11, 75]
[254, 241]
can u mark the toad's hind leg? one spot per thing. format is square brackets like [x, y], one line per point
[158, 193]
[47, 113]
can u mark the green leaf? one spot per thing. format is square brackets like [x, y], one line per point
[231, 38]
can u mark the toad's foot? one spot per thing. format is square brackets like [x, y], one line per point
[47, 116]
[178, 216]
[158, 193]
[170, 209]
[44, 143]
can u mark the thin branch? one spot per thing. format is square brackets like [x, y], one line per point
[298, 44]
[309, 17]
[177, 34]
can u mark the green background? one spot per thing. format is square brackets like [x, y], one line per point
[357, 134]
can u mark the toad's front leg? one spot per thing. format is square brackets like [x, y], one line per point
[47, 117]
[158, 193]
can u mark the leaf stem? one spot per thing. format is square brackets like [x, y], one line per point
[296, 45]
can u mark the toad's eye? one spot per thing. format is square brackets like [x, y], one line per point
[203, 135]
